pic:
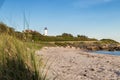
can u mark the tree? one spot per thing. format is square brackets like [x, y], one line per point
[83, 37]
[67, 35]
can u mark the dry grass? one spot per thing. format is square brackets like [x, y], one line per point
[17, 61]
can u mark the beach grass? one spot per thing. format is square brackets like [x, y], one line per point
[18, 60]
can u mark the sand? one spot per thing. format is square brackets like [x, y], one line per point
[75, 64]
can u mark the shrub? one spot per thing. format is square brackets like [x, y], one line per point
[64, 44]
[109, 41]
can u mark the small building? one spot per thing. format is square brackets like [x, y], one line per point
[45, 31]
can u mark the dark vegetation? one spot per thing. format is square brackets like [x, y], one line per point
[109, 41]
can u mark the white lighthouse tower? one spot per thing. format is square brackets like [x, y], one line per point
[45, 31]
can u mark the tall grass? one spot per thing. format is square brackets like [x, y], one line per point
[17, 61]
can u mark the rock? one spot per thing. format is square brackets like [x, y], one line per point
[92, 69]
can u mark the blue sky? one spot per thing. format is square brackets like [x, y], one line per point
[94, 18]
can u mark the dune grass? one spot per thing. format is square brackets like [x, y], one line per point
[18, 61]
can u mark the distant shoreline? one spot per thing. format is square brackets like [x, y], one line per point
[91, 46]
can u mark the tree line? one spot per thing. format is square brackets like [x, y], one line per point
[30, 35]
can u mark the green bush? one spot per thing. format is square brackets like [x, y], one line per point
[109, 41]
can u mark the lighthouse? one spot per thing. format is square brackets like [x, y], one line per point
[45, 31]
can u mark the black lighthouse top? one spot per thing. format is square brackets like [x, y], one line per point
[45, 28]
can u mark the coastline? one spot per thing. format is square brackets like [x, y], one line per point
[76, 64]
[91, 46]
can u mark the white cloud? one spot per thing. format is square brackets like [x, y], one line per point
[88, 3]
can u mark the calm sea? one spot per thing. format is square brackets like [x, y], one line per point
[109, 52]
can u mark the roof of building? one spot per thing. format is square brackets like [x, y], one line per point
[45, 28]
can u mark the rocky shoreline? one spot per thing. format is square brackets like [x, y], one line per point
[75, 64]
[107, 47]
[95, 46]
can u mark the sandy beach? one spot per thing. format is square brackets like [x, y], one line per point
[75, 64]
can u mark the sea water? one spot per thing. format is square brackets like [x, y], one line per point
[109, 52]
